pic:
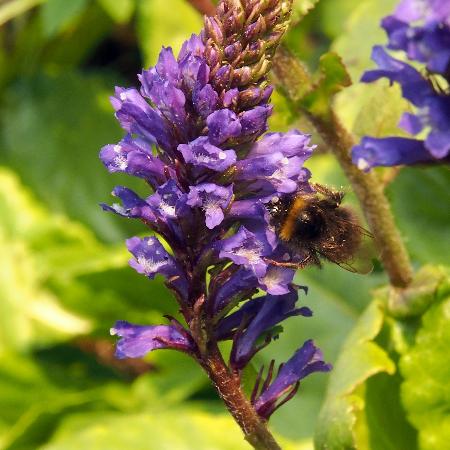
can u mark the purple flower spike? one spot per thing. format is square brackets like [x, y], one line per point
[161, 85]
[241, 281]
[205, 100]
[136, 116]
[137, 340]
[194, 45]
[272, 172]
[254, 122]
[134, 156]
[213, 199]
[151, 258]
[195, 134]
[306, 360]
[427, 10]
[247, 249]
[204, 154]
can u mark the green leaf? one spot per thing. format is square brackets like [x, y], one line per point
[361, 33]
[376, 112]
[302, 7]
[330, 79]
[29, 310]
[65, 120]
[426, 370]
[176, 378]
[59, 14]
[385, 419]
[38, 389]
[334, 15]
[158, 27]
[422, 217]
[360, 359]
[181, 429]
[119, 10]
[14, 8]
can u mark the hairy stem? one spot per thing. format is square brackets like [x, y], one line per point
[291, 77]
[228, 385]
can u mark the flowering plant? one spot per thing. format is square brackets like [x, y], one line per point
[196, 133]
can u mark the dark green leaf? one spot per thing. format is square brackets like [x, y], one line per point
[65, 120]
[58, 14]
[419, 199]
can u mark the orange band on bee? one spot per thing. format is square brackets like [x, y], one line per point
[288, 227]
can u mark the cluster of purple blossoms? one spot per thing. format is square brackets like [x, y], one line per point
[195, 135]
[420, 29]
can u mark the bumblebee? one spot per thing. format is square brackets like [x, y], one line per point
[316, 227]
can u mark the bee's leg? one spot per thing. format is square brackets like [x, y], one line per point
[310, 259]
[336, 196]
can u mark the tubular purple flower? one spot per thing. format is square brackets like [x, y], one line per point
[258, 316]
[151, 258]
[306, 360]
[134, 156]
[223, 125]
[392, 151]
[132, 206]
[137, 340]
[213, 199]
[204, 154]
[246, 249]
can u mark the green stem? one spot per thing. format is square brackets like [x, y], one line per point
[292, 79]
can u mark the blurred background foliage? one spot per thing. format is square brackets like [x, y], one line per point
[64, 278]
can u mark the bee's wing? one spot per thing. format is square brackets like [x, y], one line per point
[362, 260]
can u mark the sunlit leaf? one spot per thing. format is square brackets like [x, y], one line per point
[161, 24]
[29, 311]
[426, 369]
[119, 10]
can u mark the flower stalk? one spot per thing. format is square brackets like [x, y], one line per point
[228, 385]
